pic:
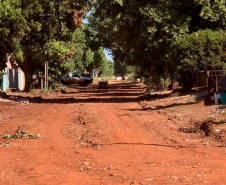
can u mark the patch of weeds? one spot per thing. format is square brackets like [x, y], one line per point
[45, 90]
[180, 109]
[34, 91]
[218, 121]
[175, 94]
[194, 99]
[191, 100]
[222, 112]
[54, 86]
[21, 133]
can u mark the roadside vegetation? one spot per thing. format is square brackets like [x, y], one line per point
[163, 40]
[156, 41]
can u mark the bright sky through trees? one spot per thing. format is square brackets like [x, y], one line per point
[108, 54]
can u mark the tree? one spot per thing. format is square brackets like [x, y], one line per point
[121, 69]
[12, 24]
[83, 55]
[140, 32]
[199, 51]
[107, 69]
[39, 30]
[214, 11]
[98, 61]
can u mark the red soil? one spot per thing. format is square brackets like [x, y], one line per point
[110, 136]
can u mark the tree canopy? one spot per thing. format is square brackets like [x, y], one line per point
[39, 30]
[140, 32]
[199, 51]
[156, 37]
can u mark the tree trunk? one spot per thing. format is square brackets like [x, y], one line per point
[28, 70]
[187, 80]
[28, 82]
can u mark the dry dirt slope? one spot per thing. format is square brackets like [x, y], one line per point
[108, 136]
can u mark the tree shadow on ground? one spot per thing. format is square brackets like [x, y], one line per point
[161, 107]
[125, 87]
[115, 93]
[90, 100]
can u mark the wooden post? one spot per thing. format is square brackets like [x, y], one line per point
[41, 83]
[46, 75]
[216, 95]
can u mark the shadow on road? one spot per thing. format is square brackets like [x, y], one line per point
[114, 93]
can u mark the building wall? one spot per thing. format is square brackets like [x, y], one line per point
[21, 77]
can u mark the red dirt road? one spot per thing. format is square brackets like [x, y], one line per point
[92, 136]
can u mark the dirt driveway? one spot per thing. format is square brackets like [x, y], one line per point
[109, 136]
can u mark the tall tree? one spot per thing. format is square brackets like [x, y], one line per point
[99, 60]
[39, 30]
[140, 32]
[199, 51]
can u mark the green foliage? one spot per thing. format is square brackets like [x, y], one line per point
[107, 69]
[140, 32]
[65, 67]
[54, 85]
[39, 30]
[80, 49]
[88, 57]
[121, 69]
[84, 56]
[199, 51]
[92, 35]
[45, 90]
[99, 58]
[54, 50]
[213, 10]
[99, 62]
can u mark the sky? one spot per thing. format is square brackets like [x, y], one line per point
[108, 54]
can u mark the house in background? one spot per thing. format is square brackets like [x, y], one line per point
[13, 77]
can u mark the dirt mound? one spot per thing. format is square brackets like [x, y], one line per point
[212, 128]
[215, 129]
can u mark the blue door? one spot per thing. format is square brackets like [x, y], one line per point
[4, 82]
[10, 79]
